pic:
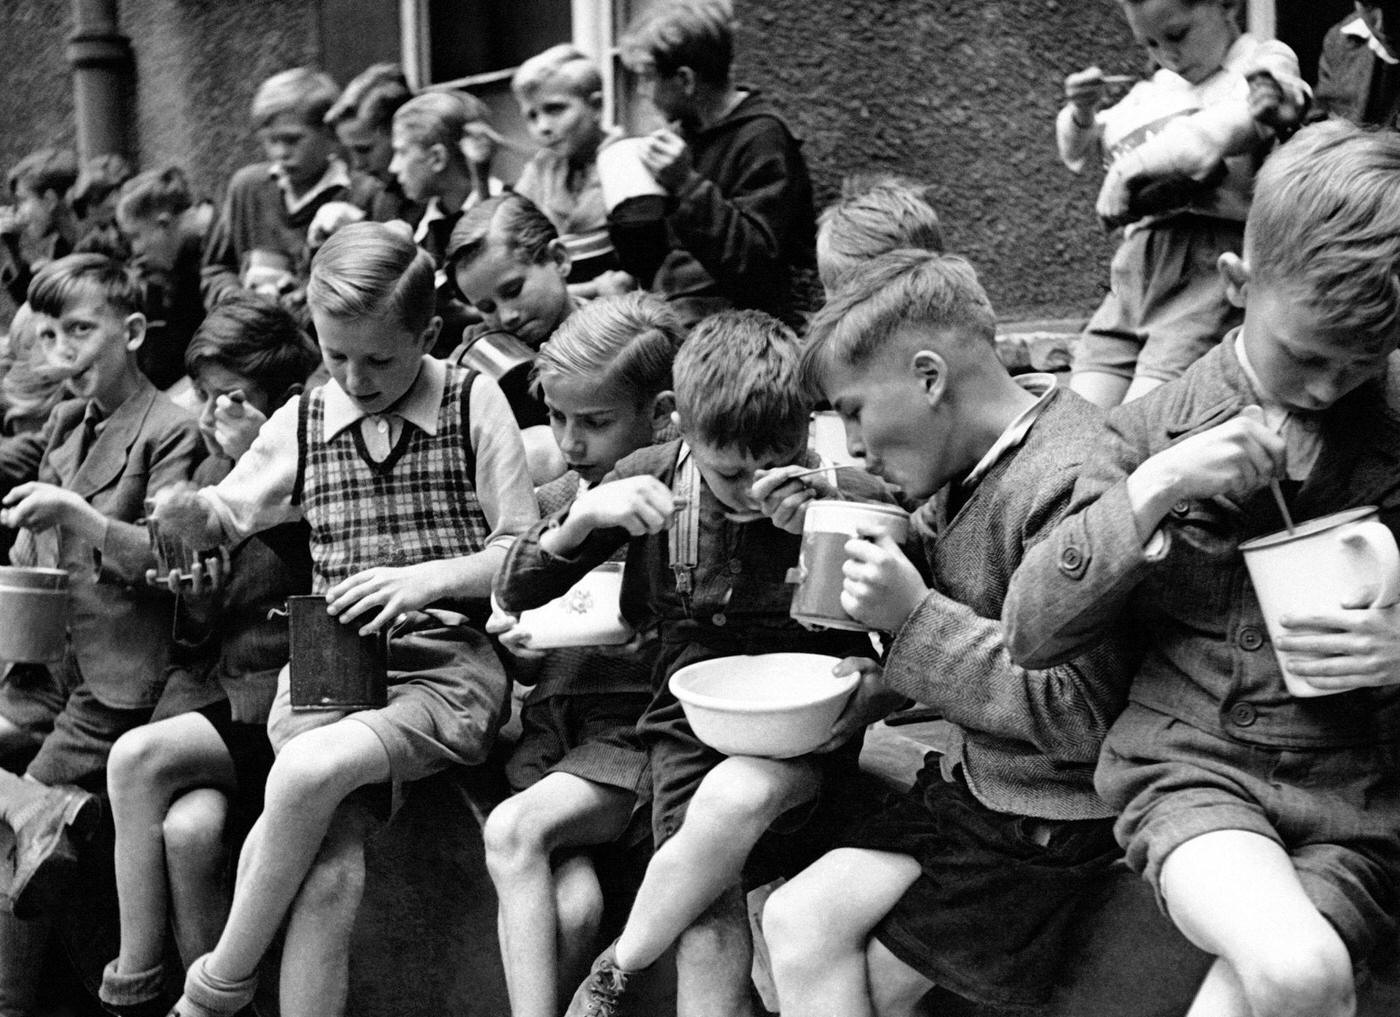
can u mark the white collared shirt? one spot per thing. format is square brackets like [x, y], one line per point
[1041, 385]
[1358, 29]
[335, 175]
[1301, 432]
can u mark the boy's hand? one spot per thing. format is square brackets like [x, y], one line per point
[236, 423]
[329, 218]
[784, 500]
[1231, 460]
[1084, 90]
[384, 593]
[36, 506]
[882, 588]
[506, 627]
[1354, 647]
[871, 701]
[667, 158]
[1271, 105]
[639, 505]
[183, 514]
[19, 456]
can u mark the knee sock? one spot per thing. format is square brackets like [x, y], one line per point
[129, 989]
[207, 995]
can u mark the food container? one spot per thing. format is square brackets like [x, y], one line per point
[588, 615]
[771, 704]
[333, 667]
[819, 575]
[33, 614]
[496, 354]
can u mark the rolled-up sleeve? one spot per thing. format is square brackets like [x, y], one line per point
[257, 494]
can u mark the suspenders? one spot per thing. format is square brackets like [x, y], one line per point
[683, 542]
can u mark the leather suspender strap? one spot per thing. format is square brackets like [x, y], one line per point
[683, 543]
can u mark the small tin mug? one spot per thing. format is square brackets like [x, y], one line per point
[829, 523]
[333, 667]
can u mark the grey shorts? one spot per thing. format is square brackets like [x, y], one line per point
[1335, 811]
[1166, 307]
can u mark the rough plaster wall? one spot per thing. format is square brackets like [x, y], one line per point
[198, 63]
[962, 93]
[36, 100]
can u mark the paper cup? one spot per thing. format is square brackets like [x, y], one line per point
[622, 174]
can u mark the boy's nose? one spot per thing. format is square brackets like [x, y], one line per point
[509, 315]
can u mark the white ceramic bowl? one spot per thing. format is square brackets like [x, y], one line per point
[771, 704]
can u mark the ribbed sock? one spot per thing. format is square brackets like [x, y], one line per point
[129, 989]
[208, 995]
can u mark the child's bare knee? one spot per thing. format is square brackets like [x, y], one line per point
[193, 827]
[139, 758]
[304, 774]
[513, 833]
[733, 798]
[1312, 980]
[579, 905]
[792, 927]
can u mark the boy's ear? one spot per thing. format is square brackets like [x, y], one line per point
[688, 79]
[135, 326]
[559, 255]
[663, 409]
[1234, 270]
[932, 372]
[428, 337]
[595, 101]
[437, 157]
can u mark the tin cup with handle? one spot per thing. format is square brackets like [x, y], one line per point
[819, 575]
[1343, 558]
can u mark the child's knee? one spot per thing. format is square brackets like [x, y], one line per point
[579, 905]
[193, 830]
[511, 833]
[1312, 979]
[139, 759]
[733, 799]
[792, 927]
[304, 774]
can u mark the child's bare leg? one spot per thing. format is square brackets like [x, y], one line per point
[195, 855]
[316, 956]
[1099, 387]
[733, 806]
[578, 903]
[1141, 386]
[818, 928]
[714, 961]
[896, 989]
[314, 773]
[148, 768]
[522, 835]
[1235, 894]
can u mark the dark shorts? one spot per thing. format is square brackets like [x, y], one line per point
[590, 735]
[990, 914]
[1166, 307]
[76, 750]
[1335, 811]
[251, 752]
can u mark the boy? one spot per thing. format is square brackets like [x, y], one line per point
[968, 879]
[106, 451]
[580, 775]
[1358, 73]
[157, 213]
[187, 786]
[361, 118]
[1268, 825]
[508, 263]
[40, 226]
[560, 94]
[706, 570]
[432, 170]
[270, 205]
[739, 216]
[412, 480]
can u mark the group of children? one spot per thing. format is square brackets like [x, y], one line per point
[1072, 600]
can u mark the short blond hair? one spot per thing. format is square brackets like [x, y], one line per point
[369, 269]
[625, 344]
[440, 118]
[564, 68]
[302, 91]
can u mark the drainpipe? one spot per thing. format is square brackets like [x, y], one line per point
[102, 75]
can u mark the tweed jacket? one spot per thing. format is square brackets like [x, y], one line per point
[1208, 660]
[119, 631]
[1027, 739]
[1347, 83]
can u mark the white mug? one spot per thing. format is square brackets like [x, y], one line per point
[621, 173]
[1324, 563]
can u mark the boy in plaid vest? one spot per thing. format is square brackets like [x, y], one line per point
[411, 475]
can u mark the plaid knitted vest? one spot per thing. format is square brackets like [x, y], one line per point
[418, 505]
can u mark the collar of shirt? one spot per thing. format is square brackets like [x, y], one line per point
[1301, 432]
[1358, 29]
[419, 405]
[1041, 385]
[432, 212]
[336, 175]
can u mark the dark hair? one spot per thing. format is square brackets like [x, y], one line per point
[61, 281]
[48, 169]
[511, 220]
[153, 193]
[256, 337]
[371, 97]
[698, 34]
[98, 178]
